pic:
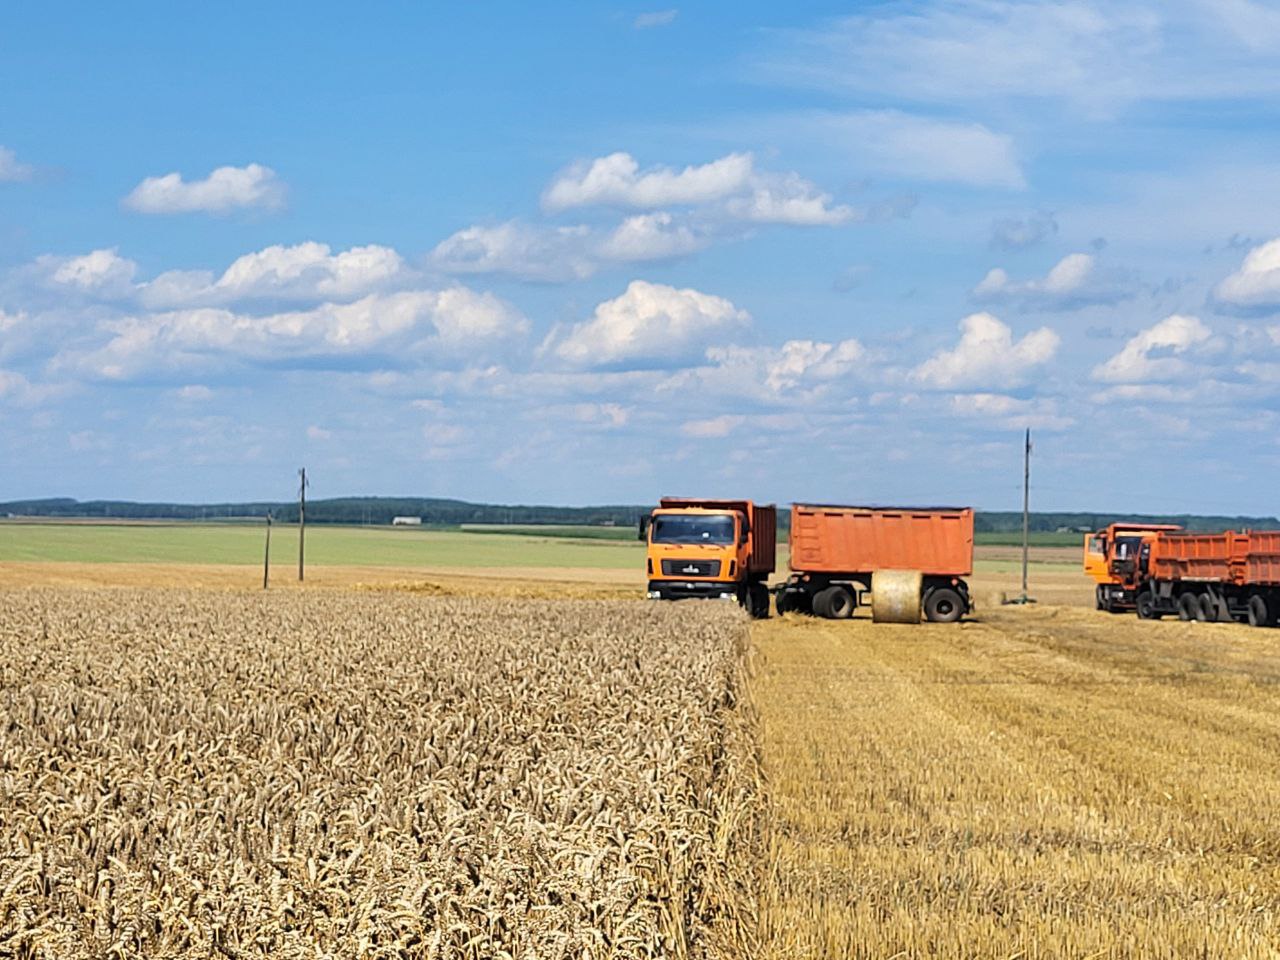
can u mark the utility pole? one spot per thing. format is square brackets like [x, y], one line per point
[266, 557]
[1026, 510]
[302, 518]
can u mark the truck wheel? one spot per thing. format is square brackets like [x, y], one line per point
[758, 601]
[1208, 612]
[834, 603]
[1188, 607]
[943, 605]
[782, 602]
[1100, 598]
[1258, 613]
[1146, 605]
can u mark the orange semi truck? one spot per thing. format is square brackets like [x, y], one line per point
[835, 550]
[1116, 557]
[717, 549]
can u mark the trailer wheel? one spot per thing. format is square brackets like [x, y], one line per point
[758, 601]
[1259, 616]
[1146, 604]
[1188, 607]
[834, 603]
[1208, 612]
[943, 605]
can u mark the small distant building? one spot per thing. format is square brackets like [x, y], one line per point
[406, 521]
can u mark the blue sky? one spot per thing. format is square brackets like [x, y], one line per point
[594, 254]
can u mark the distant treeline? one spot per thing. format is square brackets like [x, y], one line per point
[437, 512]
[346, 510]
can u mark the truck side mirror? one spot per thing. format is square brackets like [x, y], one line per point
[642, 528]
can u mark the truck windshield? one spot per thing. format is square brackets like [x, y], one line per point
[671, 528]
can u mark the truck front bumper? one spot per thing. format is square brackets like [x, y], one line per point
[691, 590]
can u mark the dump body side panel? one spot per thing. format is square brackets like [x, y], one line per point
[1261, 557]
[831, 539]
[1193, 556]
[764, 539]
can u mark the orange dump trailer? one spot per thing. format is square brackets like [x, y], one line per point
[835, 550]
[1211, 576]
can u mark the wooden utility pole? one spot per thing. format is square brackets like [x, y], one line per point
[302, 519]
[266, 557]
[1026, 510]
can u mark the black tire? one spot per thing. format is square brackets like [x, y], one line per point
[943, 605]
[1208, 612]
[1146, 604]
[834, 603]
[781, 602]
[1259, 615]
[758, 601]
[1100, 598]
[1188, 607]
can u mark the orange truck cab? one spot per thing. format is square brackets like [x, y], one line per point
[1117, 558]
[712, 549]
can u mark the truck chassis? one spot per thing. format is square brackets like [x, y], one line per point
[835, 596]
[1209, 601]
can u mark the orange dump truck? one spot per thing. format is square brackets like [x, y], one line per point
[835, 550]
[717, 549]
[1113, 556]
[1211, 576]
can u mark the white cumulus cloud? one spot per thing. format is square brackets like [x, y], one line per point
[1257, 282]
[1074, 281]
[101, 272]
[616, 180]
[305, 271]
[651, 236]
[455, 322]
[649, 324]
[732, 183]
[796, 368]
[1156, 353]
[224, 190]
[789, 198]
[988, 356]
[550, 254]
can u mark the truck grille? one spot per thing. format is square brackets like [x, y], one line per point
[691, 568]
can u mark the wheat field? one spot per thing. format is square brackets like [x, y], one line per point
[336, 773]
[188, 774]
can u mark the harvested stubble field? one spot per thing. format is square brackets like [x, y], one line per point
[337, 775]
[1048, 782]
